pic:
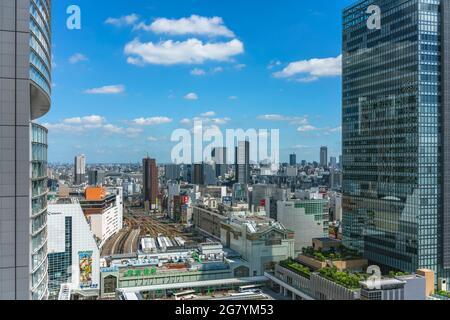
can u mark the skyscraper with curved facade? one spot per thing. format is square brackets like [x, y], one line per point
[25, 90]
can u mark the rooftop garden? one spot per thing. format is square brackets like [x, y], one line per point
[333, 254]
[296, 267]
[346, 279]
[394, 274]
[444, 294]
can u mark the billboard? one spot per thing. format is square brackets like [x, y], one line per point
[85, 259]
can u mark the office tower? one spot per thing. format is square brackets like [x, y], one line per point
[209, 174]
[150, 183]
[333, 162]
[243, 162]
[25, 91]
[293, 159]
[396, 96]
[187, 172]
[80, 169]
[172, 172]
[340, 163]
[219, 156]
[324, 157]
[199, 174]
[95, 177]
[236, 165]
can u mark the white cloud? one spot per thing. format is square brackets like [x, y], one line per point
[208, 114]
[191, 51]
[62, 127]
[240, 67]
[77, 57]
[320, 131]
[279, 117]
[152, 139]
[273, 64]
[114, 89]
[194, 25]
[185, 121]
[312, 70]
[233, 97]
[206, 119]
[123, 21]
[221, 120]
[198, 72]
[129, 132]
[152, 121]
[133, 132]
[217, 70]
[329, 131]
[113, 129]
[92, 121]
[191, 96]
[306, 128]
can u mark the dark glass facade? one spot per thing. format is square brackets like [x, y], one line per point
[60, 264]
[392, 134]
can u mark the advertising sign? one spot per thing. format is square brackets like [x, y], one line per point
[85, 259]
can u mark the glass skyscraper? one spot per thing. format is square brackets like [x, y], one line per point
[395, 122]
[25, 89]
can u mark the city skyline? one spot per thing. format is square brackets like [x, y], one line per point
[138, 105]
[211, 151]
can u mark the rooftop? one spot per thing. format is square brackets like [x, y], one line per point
[197, 284]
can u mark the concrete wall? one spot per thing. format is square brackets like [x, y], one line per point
[14, 150]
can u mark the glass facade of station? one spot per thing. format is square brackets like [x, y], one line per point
[392, 150]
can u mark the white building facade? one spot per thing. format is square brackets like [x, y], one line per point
[73, 253]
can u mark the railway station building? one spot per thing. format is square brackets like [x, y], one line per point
[205, 262]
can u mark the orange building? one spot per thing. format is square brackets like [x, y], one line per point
[95, 193]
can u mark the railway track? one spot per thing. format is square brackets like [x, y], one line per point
[136, 227]
[126, 241]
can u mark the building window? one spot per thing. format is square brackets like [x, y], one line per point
[110, 284]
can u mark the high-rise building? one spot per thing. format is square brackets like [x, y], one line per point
[95, 177]
[219, 156]
[236, 166]
[25, 91]
[80, 169]
[172, 172]
[243, 159]
[293, 159]
[150, 183]
[199, 174]
[333, 162]
[324, 157]
[396, 126]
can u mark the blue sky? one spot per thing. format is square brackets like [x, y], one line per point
[139, 69]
